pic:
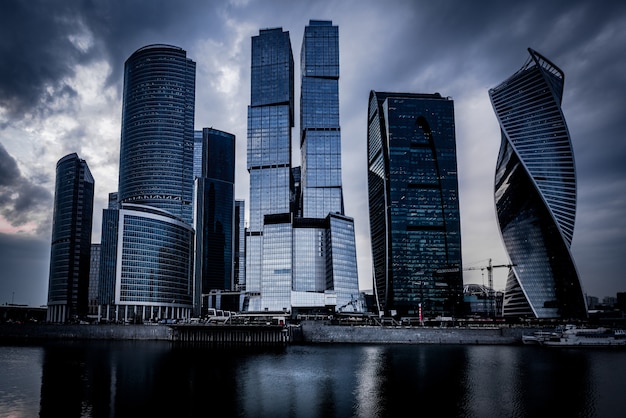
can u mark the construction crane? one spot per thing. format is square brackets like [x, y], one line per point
[490, 290]
[489, 268]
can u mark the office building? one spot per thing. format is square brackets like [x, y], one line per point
[72, 218]
[157, 139]
[320, 134]
[215, 213]
[270, 119]
[535, 193]
[147, 259]
[320, 181]
[414, 204]
[300, 247]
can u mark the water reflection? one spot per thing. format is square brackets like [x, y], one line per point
[119, 379]
[20, 381]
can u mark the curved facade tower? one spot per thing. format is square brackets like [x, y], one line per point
[146, 267]
[535, 193]
[156, 151]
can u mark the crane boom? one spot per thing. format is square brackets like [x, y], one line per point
[489, 268]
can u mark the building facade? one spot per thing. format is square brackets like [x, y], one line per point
[320, 134]
[414, 204]
[215, 213]
[240, 246]
[535, 193]
[94, 279]
[68, 284]
[270, 119]
[146, 268]
[157, 138]
[301, 253]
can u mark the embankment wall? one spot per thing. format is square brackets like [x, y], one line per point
[309, 332]
[318, 332]
[31, 332]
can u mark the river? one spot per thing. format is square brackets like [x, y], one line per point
[163, 379]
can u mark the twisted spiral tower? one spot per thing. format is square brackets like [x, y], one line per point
[535, 193]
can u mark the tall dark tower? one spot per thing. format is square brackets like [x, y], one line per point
[148, 237]
[413, 204]
[215, 212]
[535, 193]
[156, 151]
[270, 119]
[71, 240]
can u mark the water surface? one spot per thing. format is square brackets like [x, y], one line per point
[160, 379]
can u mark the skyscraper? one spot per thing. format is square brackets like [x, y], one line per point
[320, 134]
[215, 212]
[300, 246]
[413, 204]
[156, 151]
[146, 269]
[270, 119]
[321, 185]
[71, 240]
[535, 193]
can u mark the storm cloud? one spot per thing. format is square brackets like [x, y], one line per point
[20, 198]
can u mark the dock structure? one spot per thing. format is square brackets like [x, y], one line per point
[252, 335]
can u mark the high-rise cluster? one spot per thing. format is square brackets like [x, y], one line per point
[535, 193]
[173, 235]
[301, 253]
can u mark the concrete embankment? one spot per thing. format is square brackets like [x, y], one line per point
[318, 332]
[308, 332]
[39, 332]
[211, 334]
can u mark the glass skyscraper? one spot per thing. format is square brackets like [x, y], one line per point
[146, 268]
[270, 119]
[414, 205]
[215, 212]
[320, 135]
[156, 151]
[535, 193]
[72, 217]
[301, 252]
[320, 183]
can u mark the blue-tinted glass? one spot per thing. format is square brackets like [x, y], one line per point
[413, 200]
[157, 141]
[71, 240]
[535, 193]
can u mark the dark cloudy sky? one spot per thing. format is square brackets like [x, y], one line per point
[61, 73]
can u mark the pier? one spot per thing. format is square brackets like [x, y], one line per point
[253, 335]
